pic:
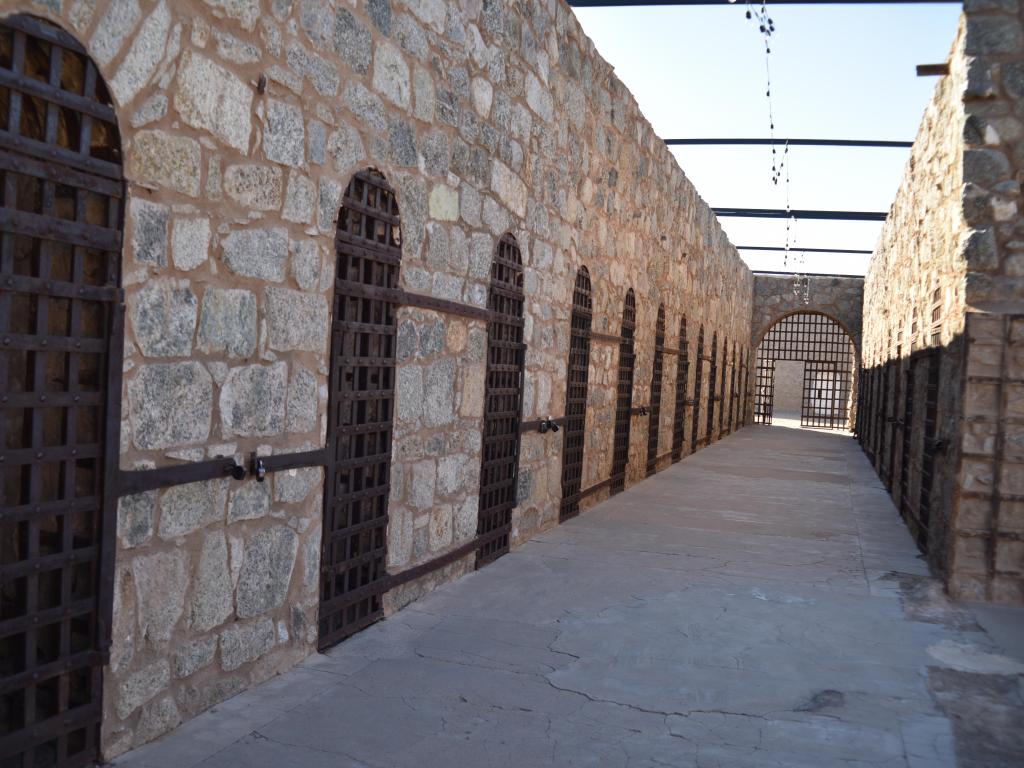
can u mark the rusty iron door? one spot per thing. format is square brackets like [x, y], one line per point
[624, 399]
[682, 382]
[361, 409]
[577, 377]
[61, 336]
[653, 425]
[697, 384]
[503, 402]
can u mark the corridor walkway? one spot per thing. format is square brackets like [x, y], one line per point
[759, 604]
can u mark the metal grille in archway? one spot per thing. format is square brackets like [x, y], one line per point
[829, 361]
[654, 424]
[503, 401]
[722, 390]
[682, 379]
[624, 400]
[697, 383]
[361, 409]
[733, 394]
[712, 380]
[576, 396]
[60, 385]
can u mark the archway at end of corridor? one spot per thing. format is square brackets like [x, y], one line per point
[806, 369]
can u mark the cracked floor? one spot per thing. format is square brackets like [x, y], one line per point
[758, 604]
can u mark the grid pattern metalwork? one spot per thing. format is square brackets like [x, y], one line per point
[624, 400]
[503, 401]
[829, 365]
[361, 409]
[733, 394]
[576, 396]
[682, 382]
[722, 390]
[712, 383]
[653, 427]
[697, 384]
[60, 367]
[906, 443]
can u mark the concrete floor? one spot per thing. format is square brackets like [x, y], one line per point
[759, 604]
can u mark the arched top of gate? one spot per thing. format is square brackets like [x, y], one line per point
[582, 295]
[370, 203]
[808, 311]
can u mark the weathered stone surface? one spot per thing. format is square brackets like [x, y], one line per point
[319, 72]
[212, 594]
[135, 518]
[509, 187]
[284, 135]
[228, 322]
[232, 49]
[255, 186]
[149, 232]
[193, 656]
[444, 203]
[250, 502]
[151, 110]
[296, 320]
[302, 400]
[170, 404]
[299, 199]
[190, 243]
[116, 24]
[242, 643]
[306, 266]
[142, 686]
[421, 489]
[438, 404]
[345, 148]
[391, 74]
[409, 393]
[351, 40]
[189, 507]
[211, 98]
[160, 583]
[266, 571]
[295, 484]
[246, 12]
[252, 400]
[259, 253]
[145, 54]
[163, 314]
[157, 718]
[167, 160]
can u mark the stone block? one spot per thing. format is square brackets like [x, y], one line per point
[444, 203]
[242, 643]
[163, 317]
[190, 243]
[303, 399]
[284, 134]
[170, 405]
[255, 186]
[345, 149]
[149, 232]
[252, 400]
[212, 594]
[157, 718]
[194, 655]
[299, 199]
[421, 489]
[187, 508]
[295, 484]
[119, 20]
[391, 74]
[245, 12]
[266, 572]
[211, 98]
[296, 320]
[259, 253]
[145, 54]
[1010, 556]
[142, 686]
[306, 264]
[227, 323]
[438, 402]
[250, 502]
[136, 515]
[160, 583]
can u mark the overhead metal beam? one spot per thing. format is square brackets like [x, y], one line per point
[802, 274]
[639, 3]
[791, 142]
[801, 250]
[782, 213]
[931, 70]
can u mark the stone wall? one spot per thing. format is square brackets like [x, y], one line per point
[241, 124]
[947, 275]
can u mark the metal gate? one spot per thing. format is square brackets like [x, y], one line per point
[361, 410]
[829, 364]
[61, 326]
[909, 378]
[698, 375]
[624, 401]
[732, 392]
[712, 380]
[576, 396]
[654, 425]
[503, 401]
[682, 382]
[721, 391]
[930, 447]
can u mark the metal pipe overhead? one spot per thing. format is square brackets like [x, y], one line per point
[782, 213]
[791, 142]
[801, 250]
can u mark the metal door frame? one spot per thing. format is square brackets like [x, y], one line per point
[576, 390]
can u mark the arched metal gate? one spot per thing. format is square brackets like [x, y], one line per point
[503, 401]
[654, 423]
[60, 386]
[576, 396]
[624, 399]
[697, 384]
[682, 382]
[361, 409]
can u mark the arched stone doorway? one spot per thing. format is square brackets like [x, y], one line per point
[806, 369]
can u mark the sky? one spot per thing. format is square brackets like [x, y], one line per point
[838, 72]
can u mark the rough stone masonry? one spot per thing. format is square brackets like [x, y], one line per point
[241, 123]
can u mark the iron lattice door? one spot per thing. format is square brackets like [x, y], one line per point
[764, 392]
[906, 442]
[60, 386]
[722, 389]
[682, 382]
[624, 398]
[576, 397]
[929, 447]
[697, 383]
[361, 410]
[503, 402]
[733, 394]
[654, 425]
[712, 382]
